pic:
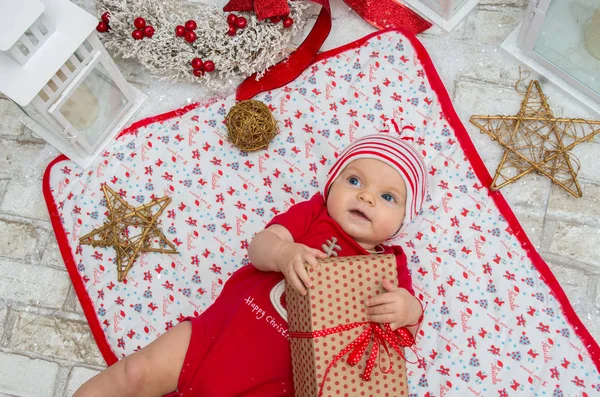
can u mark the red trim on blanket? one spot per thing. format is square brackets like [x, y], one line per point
[161, 117]
[63, 241]
[67, 255]
[465, 143]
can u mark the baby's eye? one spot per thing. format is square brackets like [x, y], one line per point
[388, 197]
[353, 181]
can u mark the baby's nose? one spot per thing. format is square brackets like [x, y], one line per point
[366, 196]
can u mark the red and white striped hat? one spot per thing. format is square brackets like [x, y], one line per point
[396, 153]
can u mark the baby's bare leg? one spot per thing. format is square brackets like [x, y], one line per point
[152, 371]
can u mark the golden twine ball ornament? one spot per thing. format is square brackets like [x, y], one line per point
[251, 125]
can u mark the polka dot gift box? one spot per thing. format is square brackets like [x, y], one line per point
[335, 350]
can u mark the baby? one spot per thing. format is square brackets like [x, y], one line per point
[240, 345]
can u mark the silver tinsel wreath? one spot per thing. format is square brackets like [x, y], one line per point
[252, 50]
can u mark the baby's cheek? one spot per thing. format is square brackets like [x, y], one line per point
[399, 216]
[391, 223]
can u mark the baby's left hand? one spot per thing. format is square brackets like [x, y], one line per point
[396, 306]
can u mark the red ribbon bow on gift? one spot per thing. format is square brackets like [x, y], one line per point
[380, 336]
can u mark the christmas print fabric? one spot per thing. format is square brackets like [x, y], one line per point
[497, 323]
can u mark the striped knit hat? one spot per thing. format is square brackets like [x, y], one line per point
[396, 153]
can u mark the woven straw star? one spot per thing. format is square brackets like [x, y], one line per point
[535, 140]
[130, 230]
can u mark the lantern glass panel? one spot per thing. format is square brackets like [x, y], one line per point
[576, 49]
[457, 5]
[94, 105]
[435, 5]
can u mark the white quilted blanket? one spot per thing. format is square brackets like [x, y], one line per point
[497, 323]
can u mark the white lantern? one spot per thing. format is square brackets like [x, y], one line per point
[444, 13]
[55, 68]
[560, 40]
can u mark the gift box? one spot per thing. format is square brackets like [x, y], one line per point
[335, 350]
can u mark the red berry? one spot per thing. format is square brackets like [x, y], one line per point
[197, 63]
[179, 31]
[190, 36]
[275, 19]
[241, 23]
[232, 19]
[190, 25]
[198, 72]
[137, 34]
[231, 31]
[102, 27]
[287, 22]
[148, 31]
[106, 17]
[209, 66]
[139, 23]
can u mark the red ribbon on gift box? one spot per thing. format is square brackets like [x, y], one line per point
[380, 336]
[379, 13]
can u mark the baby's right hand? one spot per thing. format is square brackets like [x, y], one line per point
[292, 262]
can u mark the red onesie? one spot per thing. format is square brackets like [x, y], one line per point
[240, 344]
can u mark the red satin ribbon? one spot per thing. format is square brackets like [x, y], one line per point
[379, 13]
[380, 336]
[290, 68]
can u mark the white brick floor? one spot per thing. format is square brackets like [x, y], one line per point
[46, 348]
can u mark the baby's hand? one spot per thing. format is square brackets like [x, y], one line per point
[396, 307]
[291, 263]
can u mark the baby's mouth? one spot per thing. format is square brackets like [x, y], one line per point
[359, 214]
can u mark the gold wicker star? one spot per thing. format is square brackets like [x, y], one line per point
[535, 140]
[124, 220]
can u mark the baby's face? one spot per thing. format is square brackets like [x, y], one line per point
[367, 200]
